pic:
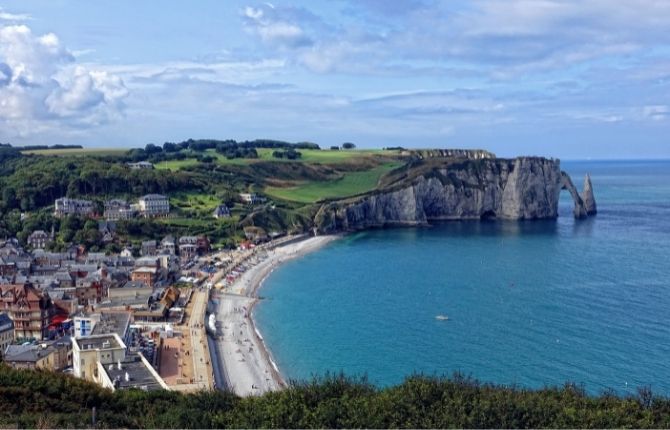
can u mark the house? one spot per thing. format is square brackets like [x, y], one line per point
[126, 253]
[255, 234]
[66, 206]
[188, 247]
[6, 332]
[168, 245]
[38, 239]
[154, 205]
[221, 211]
[146, 275]
[55, 355]
[30, 309]
[117, 209]
[148, 262]
[148, 248]
[251, 198]
[141, 165]
[131, 289]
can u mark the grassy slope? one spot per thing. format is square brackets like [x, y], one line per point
[350, 184]
[265, 154]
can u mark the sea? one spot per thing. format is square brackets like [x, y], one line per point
[530, 304]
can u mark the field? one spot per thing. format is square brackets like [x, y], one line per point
[195, 201]
[265, 154]
[350, 184]
[77, 152]
[176, 164]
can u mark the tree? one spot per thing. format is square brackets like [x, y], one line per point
[348, 145]
[334, 148]
[152, 149]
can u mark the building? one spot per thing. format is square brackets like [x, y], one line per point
[30, 309]
[38, 239]
[141, 165]
[202, 243]
[88, 351]
[221, 211]
[102, 323]
[168, 245]
[132, 372]
[104, 359]
[66, 206]
[6, 332]
[251, 198]
[146, 275]
[55, 355]
[149, 248]
[154, 205]
[117, 209]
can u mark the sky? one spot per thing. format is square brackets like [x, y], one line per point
[569, 79]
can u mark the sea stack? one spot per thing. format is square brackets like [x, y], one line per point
[587, 196]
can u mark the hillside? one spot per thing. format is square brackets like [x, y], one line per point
[201, 174]
[37, 399]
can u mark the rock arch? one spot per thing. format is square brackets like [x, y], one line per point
[585, 203]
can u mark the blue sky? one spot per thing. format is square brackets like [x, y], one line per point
[569, 79]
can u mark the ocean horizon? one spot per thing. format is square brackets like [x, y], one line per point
[531, 303]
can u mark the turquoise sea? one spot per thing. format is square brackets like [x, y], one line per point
[529, 303]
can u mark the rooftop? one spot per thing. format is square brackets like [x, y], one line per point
[34, 352]
[105, 341]
[134, 373]
[112, 322]
[145, 269]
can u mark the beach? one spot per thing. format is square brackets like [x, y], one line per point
[243, 360]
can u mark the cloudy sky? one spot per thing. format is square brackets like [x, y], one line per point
[571, 79]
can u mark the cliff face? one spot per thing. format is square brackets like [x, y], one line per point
[449, 189]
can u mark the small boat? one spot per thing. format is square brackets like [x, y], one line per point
[442, 317]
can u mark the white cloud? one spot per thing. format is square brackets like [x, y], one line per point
[275, 27]
[656, 112]
[41, 87]
[7, 16]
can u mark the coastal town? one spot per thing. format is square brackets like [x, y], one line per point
[175, 316]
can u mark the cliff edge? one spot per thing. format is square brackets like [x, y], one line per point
[457, 188]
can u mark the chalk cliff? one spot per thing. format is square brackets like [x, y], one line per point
[588, 198]
[453, 188]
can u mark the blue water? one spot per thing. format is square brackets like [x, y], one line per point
[530, 303]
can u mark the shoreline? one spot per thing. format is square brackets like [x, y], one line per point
[244, 357]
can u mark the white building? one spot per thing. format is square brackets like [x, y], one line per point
[141, 165]
[153, 205]
[251, 198]
[38, 239]
[117, 209]
[66, 206]
[88, 351]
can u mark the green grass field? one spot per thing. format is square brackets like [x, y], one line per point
[176, 164]
[265, 154]
[195, 201]
[77, 152]
[350, 184]
[314, 155]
